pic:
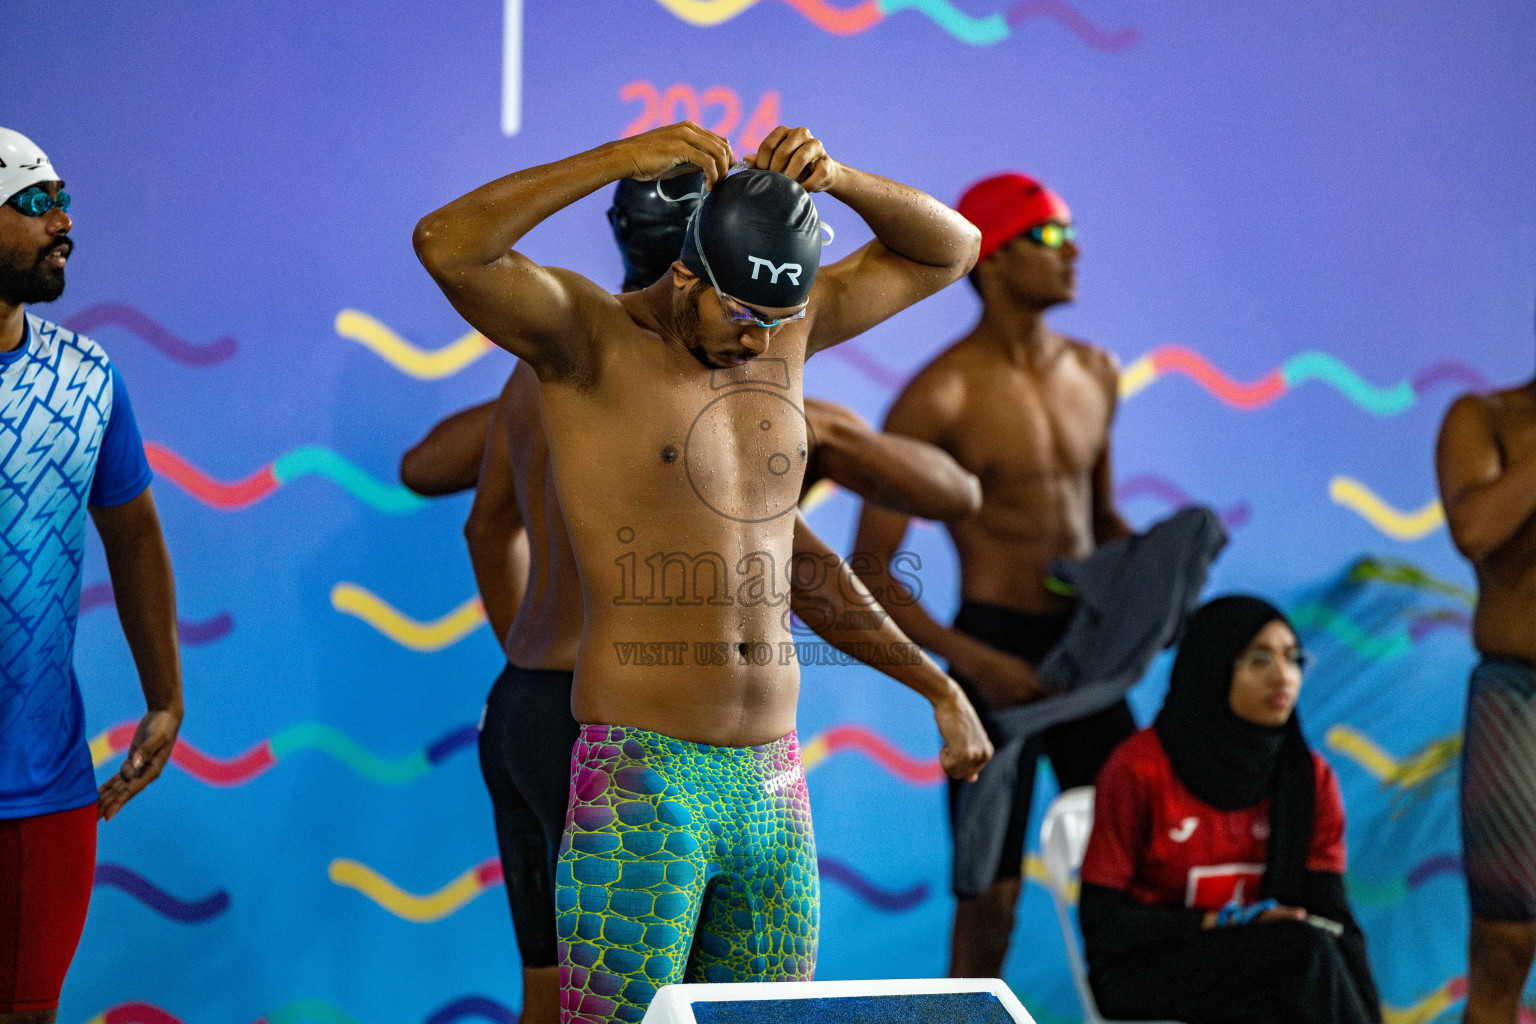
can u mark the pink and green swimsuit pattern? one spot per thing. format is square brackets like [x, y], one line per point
[681, 861]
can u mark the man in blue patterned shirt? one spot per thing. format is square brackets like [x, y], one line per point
[68, 442]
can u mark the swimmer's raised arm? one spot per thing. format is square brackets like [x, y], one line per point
[920, 244]
[538, 313]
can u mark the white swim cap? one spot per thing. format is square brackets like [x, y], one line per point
[22, 164]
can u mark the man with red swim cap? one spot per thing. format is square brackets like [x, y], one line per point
[1027, 410]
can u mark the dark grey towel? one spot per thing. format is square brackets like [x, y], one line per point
[1133, 597]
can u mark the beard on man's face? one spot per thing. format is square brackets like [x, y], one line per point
[34, 281]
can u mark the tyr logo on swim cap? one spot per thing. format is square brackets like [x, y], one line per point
[22, 164]
[1006, 205]
[761, 236]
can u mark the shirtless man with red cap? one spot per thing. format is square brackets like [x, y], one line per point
[1028, 411]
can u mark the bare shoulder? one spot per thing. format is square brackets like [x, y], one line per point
[937, 394]
[1102, 363]
[1472, 412]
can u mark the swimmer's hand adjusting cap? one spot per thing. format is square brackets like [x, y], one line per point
[757, 237]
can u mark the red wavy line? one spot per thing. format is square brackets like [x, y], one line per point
[138, 1013]
[1176, 358]
[879, 750]
[234, 771]
[839, 21]
[206, 489]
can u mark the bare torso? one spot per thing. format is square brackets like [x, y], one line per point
[547, 630]
[1034, 435]
[1505, 621]
[679, 485]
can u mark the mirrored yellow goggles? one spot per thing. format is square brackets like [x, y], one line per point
[1051, 234]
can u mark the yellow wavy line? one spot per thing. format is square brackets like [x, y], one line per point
[405, 357]
[1422, 1012]
[1137, 376]
[420, 909]
[351, 599]
[1352, 494]
[814, 752]
[1034, 870]
[707, 13]
[820, 491]
[1413, 770]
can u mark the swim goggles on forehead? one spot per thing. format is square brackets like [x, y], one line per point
[35, 201]
[1051, 234]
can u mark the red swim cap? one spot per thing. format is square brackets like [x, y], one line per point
[1007, 204]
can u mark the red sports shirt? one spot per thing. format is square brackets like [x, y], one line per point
[1155, 840]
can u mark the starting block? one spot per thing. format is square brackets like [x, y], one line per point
[906, 1001]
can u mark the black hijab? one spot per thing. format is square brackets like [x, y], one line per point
[1230, 763]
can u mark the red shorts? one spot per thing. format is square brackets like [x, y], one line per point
[47, 866]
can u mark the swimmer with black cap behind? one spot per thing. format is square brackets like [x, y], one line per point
[673, 419]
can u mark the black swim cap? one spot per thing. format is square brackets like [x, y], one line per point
[649, 228]
[762, 238]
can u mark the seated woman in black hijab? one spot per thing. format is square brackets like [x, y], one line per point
[1213, 886]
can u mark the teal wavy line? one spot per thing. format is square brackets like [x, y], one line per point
[319, 461]
[972, 31]
[314, 736]
[1368, 895]
[309, 1011]
[1377, 648]
[1398, 398]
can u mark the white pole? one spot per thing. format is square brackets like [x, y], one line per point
[512, 68]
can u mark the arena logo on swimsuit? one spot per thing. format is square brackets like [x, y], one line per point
[784, 780]
[792, 269]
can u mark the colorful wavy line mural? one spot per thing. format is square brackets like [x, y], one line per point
[1424, 765]
[362, 603]
[1434, 1005]
[262, 757]
[1151, 485]
[1393, 400]
[1382, 895]
[312, 460]
[873, 746]
[973, 31]
[470, 884]
[120, 314]
[1399, 525]
[193, 632]
[423, 364]
[1378, 646]
[117, 876]
[1406, 574]
[315, 1011]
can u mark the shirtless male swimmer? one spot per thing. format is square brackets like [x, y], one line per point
[1487, 468]
[1029, 411]
[675, 435]
[532, 596]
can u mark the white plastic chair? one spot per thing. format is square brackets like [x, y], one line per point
[1063, 841]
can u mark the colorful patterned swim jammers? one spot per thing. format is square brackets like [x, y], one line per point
[681, 861]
